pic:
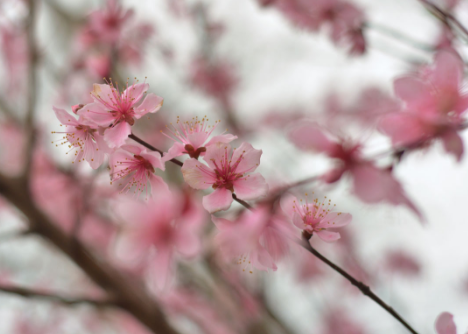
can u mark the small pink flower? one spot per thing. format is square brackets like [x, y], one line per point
[119, 110]
[445, 325]
[316, 217]
[154, 231]
[82, 137]
[109, 21]
[226, 173]
[434, 104]
[133, 167]
[257, 239]
[370, 183]
[192, 138]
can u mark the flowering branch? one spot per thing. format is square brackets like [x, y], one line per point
[28, 293]
[361, 286]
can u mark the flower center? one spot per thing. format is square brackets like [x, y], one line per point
[144, 163]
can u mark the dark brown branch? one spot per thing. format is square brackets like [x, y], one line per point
[179, 163]
[361, 286]
[445, 17]
[28, 293]
[129, 295]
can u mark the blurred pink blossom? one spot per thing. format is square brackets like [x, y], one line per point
[402, 263]
[338, 321]
[227, 172]
[445, 325]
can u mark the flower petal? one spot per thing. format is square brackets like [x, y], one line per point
[251, 187]
[154, 158]
[217, 153]
[65, 118]
[328, 236]
[116, 136]
[445, 325]
[135, 92]
[197, 174]
[288, 204]
[97, 114]
[250, 158]
[310, 137]
[150, 104]
[227, 138]
[218, 200]
[175, 151]
[298, 221]
[335, 219]
[453, 144]
[158, 186]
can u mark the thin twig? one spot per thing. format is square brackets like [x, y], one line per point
[28, 293]
[361, 286]
[445, 17]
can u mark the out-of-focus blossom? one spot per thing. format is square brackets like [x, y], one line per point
[130, 50]
[119, 110]
[370, 183]
[15, 55]
[227, 172]
[192, 138]
[434, 104]
[214, 78]
[154, 231]
[108, 22]
[133, 167]
[12, 141]
[190, 304]
[256, 239]
[345, 19]
[316, 217]
[445, 325]
[338, 321]
[402, 263]
[82, 137]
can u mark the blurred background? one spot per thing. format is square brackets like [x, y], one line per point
[247, 64]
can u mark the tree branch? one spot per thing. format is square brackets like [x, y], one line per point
[361, 286]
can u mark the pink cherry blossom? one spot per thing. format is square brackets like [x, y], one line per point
[338, 321]
[119, 110]
[370, 183]
[256, 239]
[434, 104]
[133, 168]
[192, 138]
[107, 23]
[155, 231]
[445, 325]
[227, 172]
[81, 137]
[316, 217]
[402, 263]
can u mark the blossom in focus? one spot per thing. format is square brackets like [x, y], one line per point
[370, 183]
[445, 325]
[133, 168]
[192, 138]
[256, 239]
[227, 172]
[119, 110]
[434, 104]
[82, 137]
[154, 231]
[316, 217]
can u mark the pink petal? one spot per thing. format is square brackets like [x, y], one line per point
[413, 91]
[448, 72]
[155, 159]
[310, 137]
[135, 92]
[251, 187]
[221, 223]
[288, 204]
[403, 128]
[134, 149]
[116, 136]
[97, 114]
[161, 267]
[218, 200]
[195, 177]
[217, 153]
[227, 138]
[453, 144]
[158, 186]
[175, 151]
[328, 236]
[335, 219]
[298, 221]
[65, 118]
[197, 139]
[250, 158]
[92, 154]
[261, 259]
[187, 243]
[151, 104]
[104, 93]
[445, 325]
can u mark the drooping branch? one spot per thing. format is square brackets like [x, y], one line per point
[361, 286]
